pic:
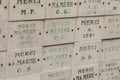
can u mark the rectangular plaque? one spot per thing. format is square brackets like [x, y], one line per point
[59, 31]
[57, 57]
[64, 74]
[25, 34]
[26, 77]
[61, 8]
[110, 70]
[2, 65]
[111, 50]
[91, 7]
[112, 7]
[26, 10]
[111, 27]
[4, 10]
[86, 53]
[23, 62]
[3, 35]
[89, 72]
[88, 28]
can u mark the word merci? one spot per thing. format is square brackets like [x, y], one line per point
[23, 60]
[85, 74]
[28, 1]
[89, 22]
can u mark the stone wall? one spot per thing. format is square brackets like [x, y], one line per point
[59, 39]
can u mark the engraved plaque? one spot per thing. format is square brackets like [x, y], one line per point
[91, 7]
[3, 36]
[111, 50]
[26, 77]
[110, 70]
[59, 31]
[57, 57]
[26, 10]
[86, 53]
[61, 8]
[4, 10]
[112, 7]
[23, 62]
[25, 34]
[89, 28]
[89, 72]
[111, 27]
[2, 65]
[64, 74]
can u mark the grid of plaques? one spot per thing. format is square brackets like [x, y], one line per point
[59, 39]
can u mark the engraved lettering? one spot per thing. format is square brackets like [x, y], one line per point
[28, 1]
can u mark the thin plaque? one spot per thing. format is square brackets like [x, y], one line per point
[86, 53]
[26, 77]
[88, 28]
[3, 35]
[25, 34]
[91, 7]
[59, 31]
[110, 70]
[112, 7]
[111, 27]
[61, 8]
[110, 50]
[57, 57]
[4, 10]
[64, 74]
[23, 62]
[26, 10]
[2, 65]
